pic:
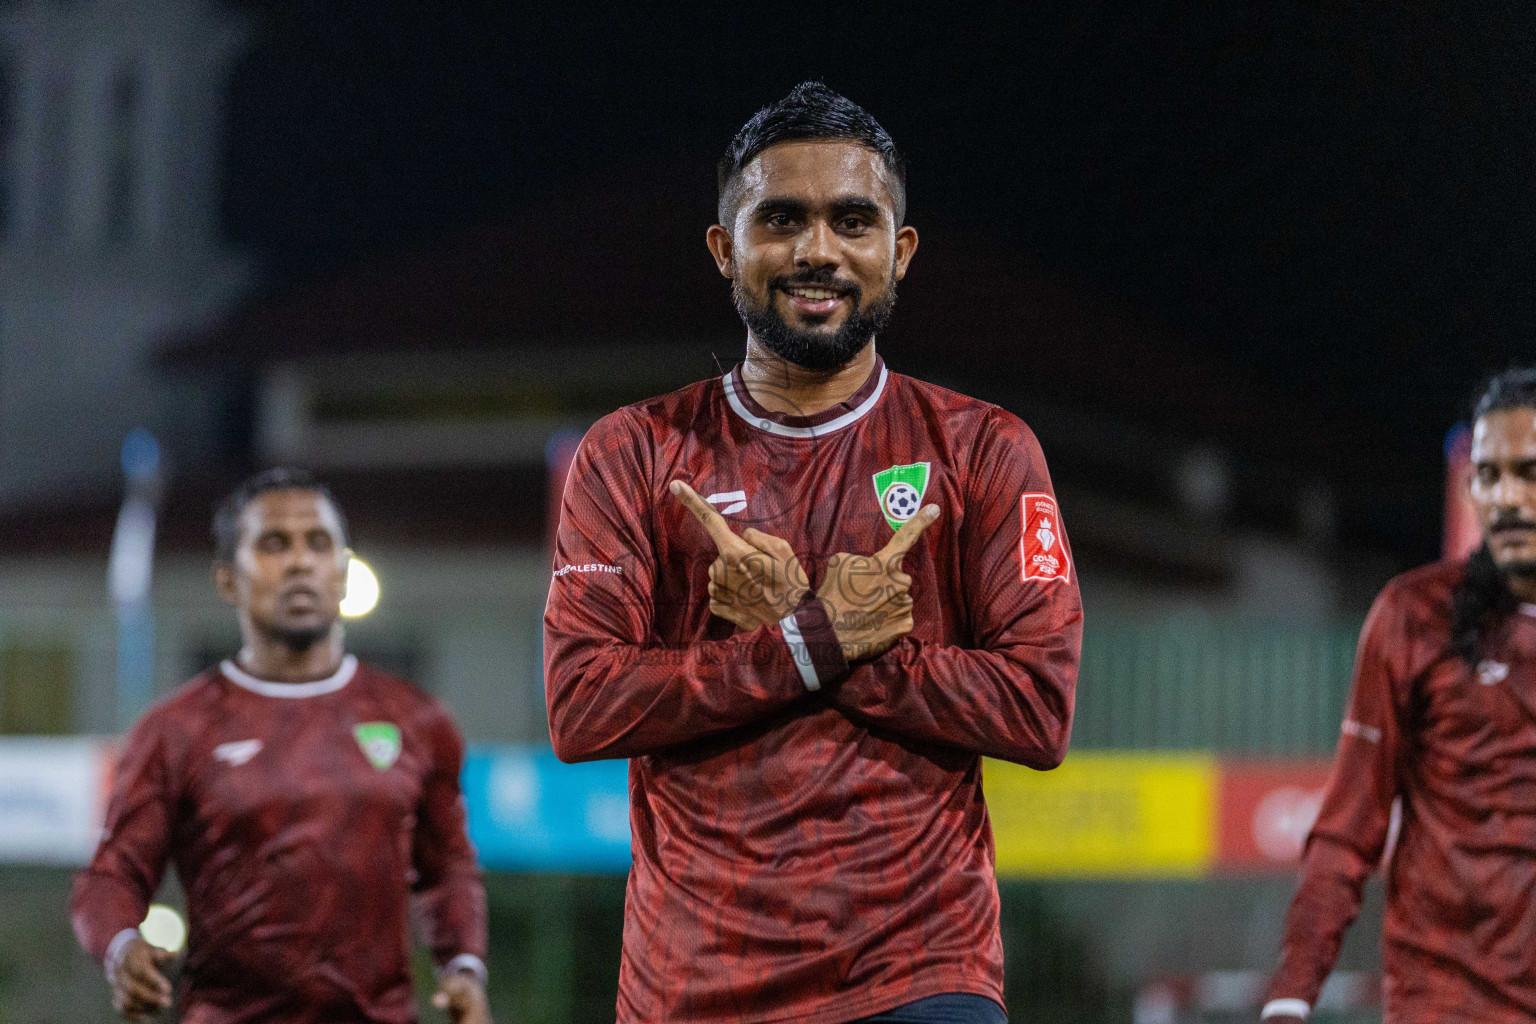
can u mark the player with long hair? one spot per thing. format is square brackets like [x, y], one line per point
[1443, 718]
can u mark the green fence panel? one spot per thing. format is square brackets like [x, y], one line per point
[1228, 685]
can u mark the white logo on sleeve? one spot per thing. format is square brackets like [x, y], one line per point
[734, 501]
[238, 752]
[1490, 673]
[1046, 537]
[599, 567]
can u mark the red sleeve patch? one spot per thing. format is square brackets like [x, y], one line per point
[1042, 550]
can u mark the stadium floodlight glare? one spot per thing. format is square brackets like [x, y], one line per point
[362, 589]
[164, 927]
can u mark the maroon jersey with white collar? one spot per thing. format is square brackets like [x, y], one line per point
[301, 819]
[810, 843]
[1456, 743]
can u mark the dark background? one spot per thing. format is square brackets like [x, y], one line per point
[1335, 202]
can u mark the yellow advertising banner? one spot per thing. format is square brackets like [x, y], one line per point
[1103, 814]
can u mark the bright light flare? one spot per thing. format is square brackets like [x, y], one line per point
[164, 927]
[362, 589]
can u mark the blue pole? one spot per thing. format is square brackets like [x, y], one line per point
[135, 660]
[130, 573]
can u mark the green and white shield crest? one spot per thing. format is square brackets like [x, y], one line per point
[380, 742]
[900, 491]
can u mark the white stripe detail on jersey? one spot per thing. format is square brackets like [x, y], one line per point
[1350, 727]
[465, 962]
[780, 429]
[115, 951]
[343, 675]
[1526, 608]
[1285, 1008]
[800, 652]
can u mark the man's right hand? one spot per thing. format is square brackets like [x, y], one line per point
[139, 988]
[757, 580]
[868, 598]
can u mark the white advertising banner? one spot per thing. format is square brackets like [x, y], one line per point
[52, 792]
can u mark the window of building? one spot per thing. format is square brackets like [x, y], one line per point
[37, 688]
[7, 148]
[122, 154]
[53, 167]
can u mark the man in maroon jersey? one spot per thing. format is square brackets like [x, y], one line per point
[805, 704]
[304, 799]
[1442, 718]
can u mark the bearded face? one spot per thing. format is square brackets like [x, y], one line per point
[807, 343]
[814, 250]
[1503, 489]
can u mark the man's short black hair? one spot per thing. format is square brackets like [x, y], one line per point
[226, 520]
[1512, 389]
[810, 111]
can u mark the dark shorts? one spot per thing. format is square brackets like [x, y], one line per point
[949, 1008]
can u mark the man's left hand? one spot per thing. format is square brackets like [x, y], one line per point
[463, 998]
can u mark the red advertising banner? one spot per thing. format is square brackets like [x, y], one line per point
[1264, 810]
[1462, 534]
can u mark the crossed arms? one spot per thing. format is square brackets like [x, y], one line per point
[615, 690]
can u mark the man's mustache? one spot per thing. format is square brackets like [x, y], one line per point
[1510, 522]
[822, 277]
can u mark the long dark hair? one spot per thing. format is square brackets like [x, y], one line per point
[1480, 598]
[1483, 596]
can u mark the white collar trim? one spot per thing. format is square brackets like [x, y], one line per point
[1527, 608]
[762, 423]
[241, 678]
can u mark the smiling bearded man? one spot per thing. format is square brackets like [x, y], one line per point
[805, 704]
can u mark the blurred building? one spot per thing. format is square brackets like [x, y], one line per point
[446, 371]
[110, 129]
[427, 384]
[1223, 576]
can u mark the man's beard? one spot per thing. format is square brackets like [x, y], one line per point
[1519, 568]
[1523, 569]
[815, 351]
[298, 638]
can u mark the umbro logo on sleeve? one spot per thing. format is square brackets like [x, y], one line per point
[1491, 673]
[238, 752]
[732, 501]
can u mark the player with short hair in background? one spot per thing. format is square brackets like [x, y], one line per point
[880, 593]
[1443, 718]
[305, 799]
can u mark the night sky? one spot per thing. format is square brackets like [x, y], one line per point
[1339, 201]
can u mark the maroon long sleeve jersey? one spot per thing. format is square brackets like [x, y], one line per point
[810, 842]
[301, 819]
[1457, 743]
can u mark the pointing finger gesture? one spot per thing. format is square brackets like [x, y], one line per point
[730, 546]
[869, 599]
[905, 538]
[757, 580]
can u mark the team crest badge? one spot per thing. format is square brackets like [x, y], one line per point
[380, 742]
[1042, 553]
[900, 491]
